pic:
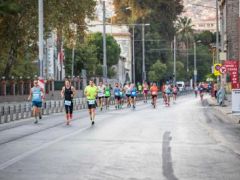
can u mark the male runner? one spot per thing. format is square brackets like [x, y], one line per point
[100, 95]
[36, 94]
[68, 92]
[91, 93]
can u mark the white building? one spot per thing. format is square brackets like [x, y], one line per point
[123, 37]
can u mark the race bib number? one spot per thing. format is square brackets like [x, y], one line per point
[36, 96]
[67, 103]
[100, 94]
[107, 93]
[91, 102]
[133, 93]
[116, 94]
[154, 93]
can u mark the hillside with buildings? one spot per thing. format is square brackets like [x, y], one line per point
[202, 13]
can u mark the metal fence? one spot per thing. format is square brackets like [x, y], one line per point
[23, 110]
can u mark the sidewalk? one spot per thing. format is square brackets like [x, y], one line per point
[226, 109]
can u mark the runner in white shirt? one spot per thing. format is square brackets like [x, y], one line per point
[100, 95]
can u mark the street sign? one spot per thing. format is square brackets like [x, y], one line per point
[217, 69]
[223, 70]
[232, 68]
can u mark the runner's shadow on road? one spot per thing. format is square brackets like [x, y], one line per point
[167, 166]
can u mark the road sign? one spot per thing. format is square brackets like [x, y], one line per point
[217, 69]
[223, 70]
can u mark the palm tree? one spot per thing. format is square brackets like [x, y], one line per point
[184, 29]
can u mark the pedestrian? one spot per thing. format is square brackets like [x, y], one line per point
[37, 95]
[68, 92]
[91, 93]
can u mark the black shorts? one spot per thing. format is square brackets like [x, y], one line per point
[107, 97]
[133, 97]
[118, 97]
[154, 96]
[128, 95]
[69, 108]
[100, 97]
[91, 106]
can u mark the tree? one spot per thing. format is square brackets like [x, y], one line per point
[161, 15]
[157, 71]
[19, 29]
[113, 50]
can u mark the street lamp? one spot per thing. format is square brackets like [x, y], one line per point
[40, 36]
[143, 52]
[195, 62]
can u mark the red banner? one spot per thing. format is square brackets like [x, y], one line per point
[232, 67]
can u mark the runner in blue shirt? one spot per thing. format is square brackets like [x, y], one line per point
[36, 94]
[133, 95]
[117, 96]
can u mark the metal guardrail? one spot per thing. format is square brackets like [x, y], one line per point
[23, 110]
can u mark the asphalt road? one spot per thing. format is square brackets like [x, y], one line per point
[187, 141]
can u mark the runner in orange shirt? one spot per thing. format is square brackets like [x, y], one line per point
[154, 93]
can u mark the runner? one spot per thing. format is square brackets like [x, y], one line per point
[140, 88]
[145, 91]
[100, 95]
[91, 93]
[154, 93]
[117, 96]
[201, 91]
[107, 95]
[175, 91]
[36, 94]
[127, 90]
[196, 91]
[164, 86]
[68, 92]
[133, 95]
[168, 93]
[121, 96]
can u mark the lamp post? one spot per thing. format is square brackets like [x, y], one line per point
[195, 64]
[174, 63]
[40, 36]
[104, 43]
[143, 52]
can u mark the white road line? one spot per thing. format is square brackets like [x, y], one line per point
[29, 153]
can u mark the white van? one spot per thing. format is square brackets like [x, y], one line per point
[180, 85]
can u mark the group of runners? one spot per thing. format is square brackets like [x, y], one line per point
[100, 95]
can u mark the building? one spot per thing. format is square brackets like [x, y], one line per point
[205, 25]
[123, 37]
[229, 23]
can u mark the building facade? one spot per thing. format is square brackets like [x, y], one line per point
[229, 22]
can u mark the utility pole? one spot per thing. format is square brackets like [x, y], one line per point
[143, 53]
[133, 55]
[40, 36]
[217, 33]
[104, 43]
[174, 63]
[195, 65]
[73, 54]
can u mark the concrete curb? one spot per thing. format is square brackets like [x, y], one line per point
[225, 111]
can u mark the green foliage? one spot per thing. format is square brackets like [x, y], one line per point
[206, 37]
[157, 71]
[161, 15]
[89, 56]
[19, 30]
